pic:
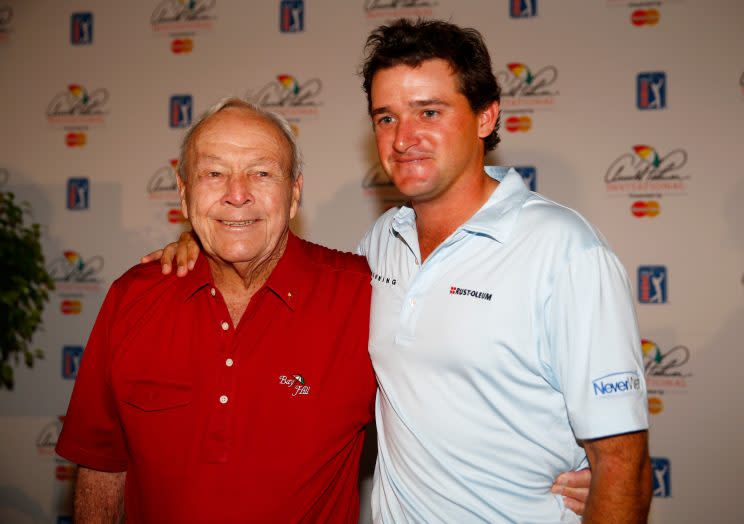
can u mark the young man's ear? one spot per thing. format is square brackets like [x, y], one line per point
[487, 119]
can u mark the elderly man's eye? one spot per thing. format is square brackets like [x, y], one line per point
[262, 173]
[214, 174]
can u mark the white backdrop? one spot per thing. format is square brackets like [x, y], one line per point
[630, 112]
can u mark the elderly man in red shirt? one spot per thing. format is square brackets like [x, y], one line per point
[239, 393]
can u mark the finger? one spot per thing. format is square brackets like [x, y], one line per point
[182, 257]
[578, 494]
[575, 479]
[579, 479]
[167, 257]
[574, 505]
[151, 256]
[192, 254]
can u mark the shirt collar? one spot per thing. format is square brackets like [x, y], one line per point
[498, 215]
[196, 279]
[287, 281]
[495, 219]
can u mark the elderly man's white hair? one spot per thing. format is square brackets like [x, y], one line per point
[233, 102]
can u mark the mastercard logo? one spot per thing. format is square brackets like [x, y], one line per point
[76, 139]
[655, 405]
[515, 124]
[182, 45]
[641, 17]
[70, 307]
[175, 216]
[649, 208]
[65, 472]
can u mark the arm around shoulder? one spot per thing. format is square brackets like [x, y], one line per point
[99, 496]
[621, 485]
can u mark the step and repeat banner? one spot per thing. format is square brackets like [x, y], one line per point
[630, 112]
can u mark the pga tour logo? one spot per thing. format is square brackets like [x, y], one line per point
[616, 384]
[522, 8]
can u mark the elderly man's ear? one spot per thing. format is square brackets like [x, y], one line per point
[182, 194]
[296, 196]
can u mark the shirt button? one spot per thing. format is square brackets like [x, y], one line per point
[225, 326]
[213, 292]
[229, 362]
[223, 399]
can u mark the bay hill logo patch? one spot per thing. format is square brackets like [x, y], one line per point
[296, 383]
[483, 295]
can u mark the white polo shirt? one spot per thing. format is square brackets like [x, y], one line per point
[515, 337]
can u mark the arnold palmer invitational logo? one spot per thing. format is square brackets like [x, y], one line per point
[183, 15]
[46, 440]
[73, 274]
[645, 172]
[289, 96]
[666, 370]
[523, 88]
[162, 184]
[634, 4]
[377, 9]
[78, 106]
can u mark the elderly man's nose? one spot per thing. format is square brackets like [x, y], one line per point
[238, 191]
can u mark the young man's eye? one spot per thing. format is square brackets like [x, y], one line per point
[384, 120]
[431, 113]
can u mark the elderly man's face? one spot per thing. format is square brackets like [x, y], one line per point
[239, 194]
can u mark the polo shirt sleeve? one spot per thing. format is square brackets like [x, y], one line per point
[594, 344]
[363, 245]
[91, 433]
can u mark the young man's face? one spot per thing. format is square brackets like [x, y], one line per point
[427, 134]
[239, 195]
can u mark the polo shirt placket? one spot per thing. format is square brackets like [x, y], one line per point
[220, 431]
[423, 277]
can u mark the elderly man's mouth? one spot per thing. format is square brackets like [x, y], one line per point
[237, 223]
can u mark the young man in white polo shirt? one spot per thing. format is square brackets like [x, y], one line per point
[502, 331]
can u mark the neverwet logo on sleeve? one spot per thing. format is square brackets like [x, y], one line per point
[617, 384]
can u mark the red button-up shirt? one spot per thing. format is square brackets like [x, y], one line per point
[263, 422]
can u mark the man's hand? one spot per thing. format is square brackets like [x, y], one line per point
[574, 486]
[99, 496]
[186, 251]
[621, 486]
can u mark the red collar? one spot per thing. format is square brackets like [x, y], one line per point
[288, 281]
